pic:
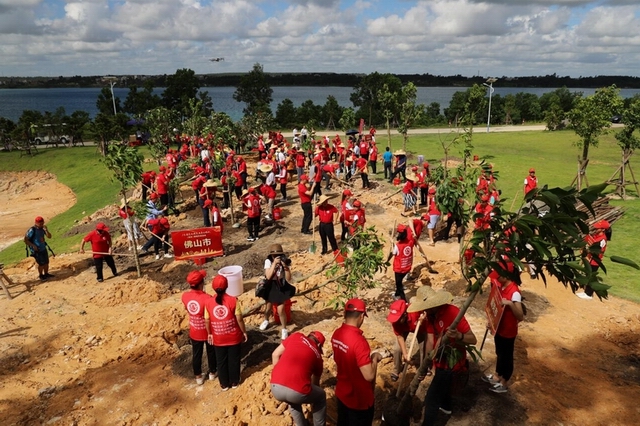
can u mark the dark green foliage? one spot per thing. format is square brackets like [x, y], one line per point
[255, 92]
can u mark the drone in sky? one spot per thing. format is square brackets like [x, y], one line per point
[216, 59]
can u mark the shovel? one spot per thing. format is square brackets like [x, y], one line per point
[312, 247]
[406, 364]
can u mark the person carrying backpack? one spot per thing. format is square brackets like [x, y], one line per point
[37, 246]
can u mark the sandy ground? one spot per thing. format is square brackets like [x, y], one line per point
[74, 351]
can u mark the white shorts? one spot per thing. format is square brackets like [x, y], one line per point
[433, 220]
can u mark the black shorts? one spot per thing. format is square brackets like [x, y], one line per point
[41, 257]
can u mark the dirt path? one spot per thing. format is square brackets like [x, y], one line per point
[74, 351]
[27, 195]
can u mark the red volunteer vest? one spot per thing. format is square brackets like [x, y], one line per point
[224, 325]
[508, 326]
[194, 301]
[403, 261]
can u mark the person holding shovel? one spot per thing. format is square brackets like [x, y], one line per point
[409, 196]
[101, 247]
[305, 194]
[327, 213]
[447, 344]
[159, 229]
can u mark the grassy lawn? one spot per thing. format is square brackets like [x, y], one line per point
[554, 156]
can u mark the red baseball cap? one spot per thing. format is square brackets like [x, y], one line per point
[485, 198]
[357, 203]
[39, 219]
[532, 170]
[432, 190]
[347, 192]
[102, 227]
[194, 278]
[396, 310]
[220, 282]
[318, 337]
[401, 227]
[162, 168]
[356, 305]
[602, 224]
[153, 196]
[207, 203]
[425, 217]
[304, 177]
[425, 165]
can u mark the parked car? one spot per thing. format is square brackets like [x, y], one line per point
[616, 119]
[42, 134]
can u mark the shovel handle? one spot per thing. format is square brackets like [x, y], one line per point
[406, 364]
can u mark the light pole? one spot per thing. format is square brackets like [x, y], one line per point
[112, 82]
[490, 80]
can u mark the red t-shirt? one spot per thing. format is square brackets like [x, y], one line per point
[224, 324]
[198, 183]
[100, 242]
[267, 191]
[443, 319]
[147, 178]
[599, 239]
[409, 326]
[408, 187]
[361, 165]
[529, 184]
[300, 360]
[326, 212]
[373, 154]
[418, 225]
[433, 207]
[162, 182]
[302, 189]
[123, 213]
[350, 352]
[194, 301]
[300, 159]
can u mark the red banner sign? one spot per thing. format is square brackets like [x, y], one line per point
[197, 243]
[361, 127]
[494, 308]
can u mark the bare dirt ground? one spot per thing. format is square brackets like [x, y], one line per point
[74, 351]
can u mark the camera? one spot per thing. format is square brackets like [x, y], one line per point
[285, 260]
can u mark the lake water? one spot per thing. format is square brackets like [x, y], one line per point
[14, 101]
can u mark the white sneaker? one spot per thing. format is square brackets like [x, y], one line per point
[584, 296]
[212, 376]
[157, 256]
[284, 334]
[264, 325]
[199, 380]
[168, 255]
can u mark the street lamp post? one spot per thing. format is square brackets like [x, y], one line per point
[112, 82]
[490, 80]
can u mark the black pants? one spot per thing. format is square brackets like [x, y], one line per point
[228, 358]
[110, 263]
[164, 199]
[205, 213]
[345, 231]
[399, 288]
[350, 417]
[438, 395]
[423, 196]
[387, 169]
[225, 199]
[327, 232]
[450, 221]
[397, 171]
[587, 289]
[238, 191]
[283, 190]
[365, 180]
[196, 358]
[307, 218]
[145, 188]
[373, 165]
[253, 224]
[317, 189]
[504, 355]
[157, 243]
[244, 179]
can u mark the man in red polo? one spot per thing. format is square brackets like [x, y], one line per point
[357, 368]
[101, 247]
[327, 213]
[304, 192]
[530, 182]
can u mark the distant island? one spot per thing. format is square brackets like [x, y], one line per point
[327, 79]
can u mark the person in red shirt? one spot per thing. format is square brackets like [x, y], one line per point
[198, 183]
[530, 182]
[409, 195]
[358, 217]
[423, 183]
[194, 301]
[403, 260]
[148, 179]
[159, 228]
[226, 331]
[295, 379]
[345, 213]
[361, 167]
[238, 183]
[373, 157]
[434, 214]
[241, 166]
[251, 203]
[483, 213]
[448, 343]
[101, 247]
[507, 331]
[130, 225]
[270, 195]
[356, 368]
[596, 245]
[327, 214]
[305, 194]
[301, 161]
[215, 218]
[316, 189]
[364, 149]
[283, 178]
[404, 323]
[162, 186]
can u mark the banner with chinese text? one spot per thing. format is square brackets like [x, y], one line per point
[494, 308]
[197, 243]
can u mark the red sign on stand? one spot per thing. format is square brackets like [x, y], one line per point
[494, 308]
[197, 243]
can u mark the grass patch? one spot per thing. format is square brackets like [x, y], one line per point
[553, 154]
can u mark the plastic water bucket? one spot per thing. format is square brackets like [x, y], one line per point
[420, 160]
[234, 277]
[277, 213]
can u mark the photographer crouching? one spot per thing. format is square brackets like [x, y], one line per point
[277, 270]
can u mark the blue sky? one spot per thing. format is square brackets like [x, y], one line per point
[442, 37]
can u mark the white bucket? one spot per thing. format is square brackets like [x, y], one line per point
[234, 277]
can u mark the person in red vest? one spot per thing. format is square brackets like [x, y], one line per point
[317, 179]
[241, 166]
[507, 331]
[434, 214]
[162, 186]
[483, 213]
[270, 195]
[262, 148]
[148, 179]
[215, 218]
[251, 203]
[361, 167]
[358, 217]
[596, 245]
[305, 194]
[530, 182]
[295, 379]
[373, 157]
[194, 301]
[442, 338]
[301, 162]
[159, 228]
[327, 214]
[356, 366]
[226, 332]
[414, 231]
[238, 183]
[198, 183]
[364, 149]
[101, 247]
[402, 253]
[404, 323]
[423, 183]
[345, 213]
